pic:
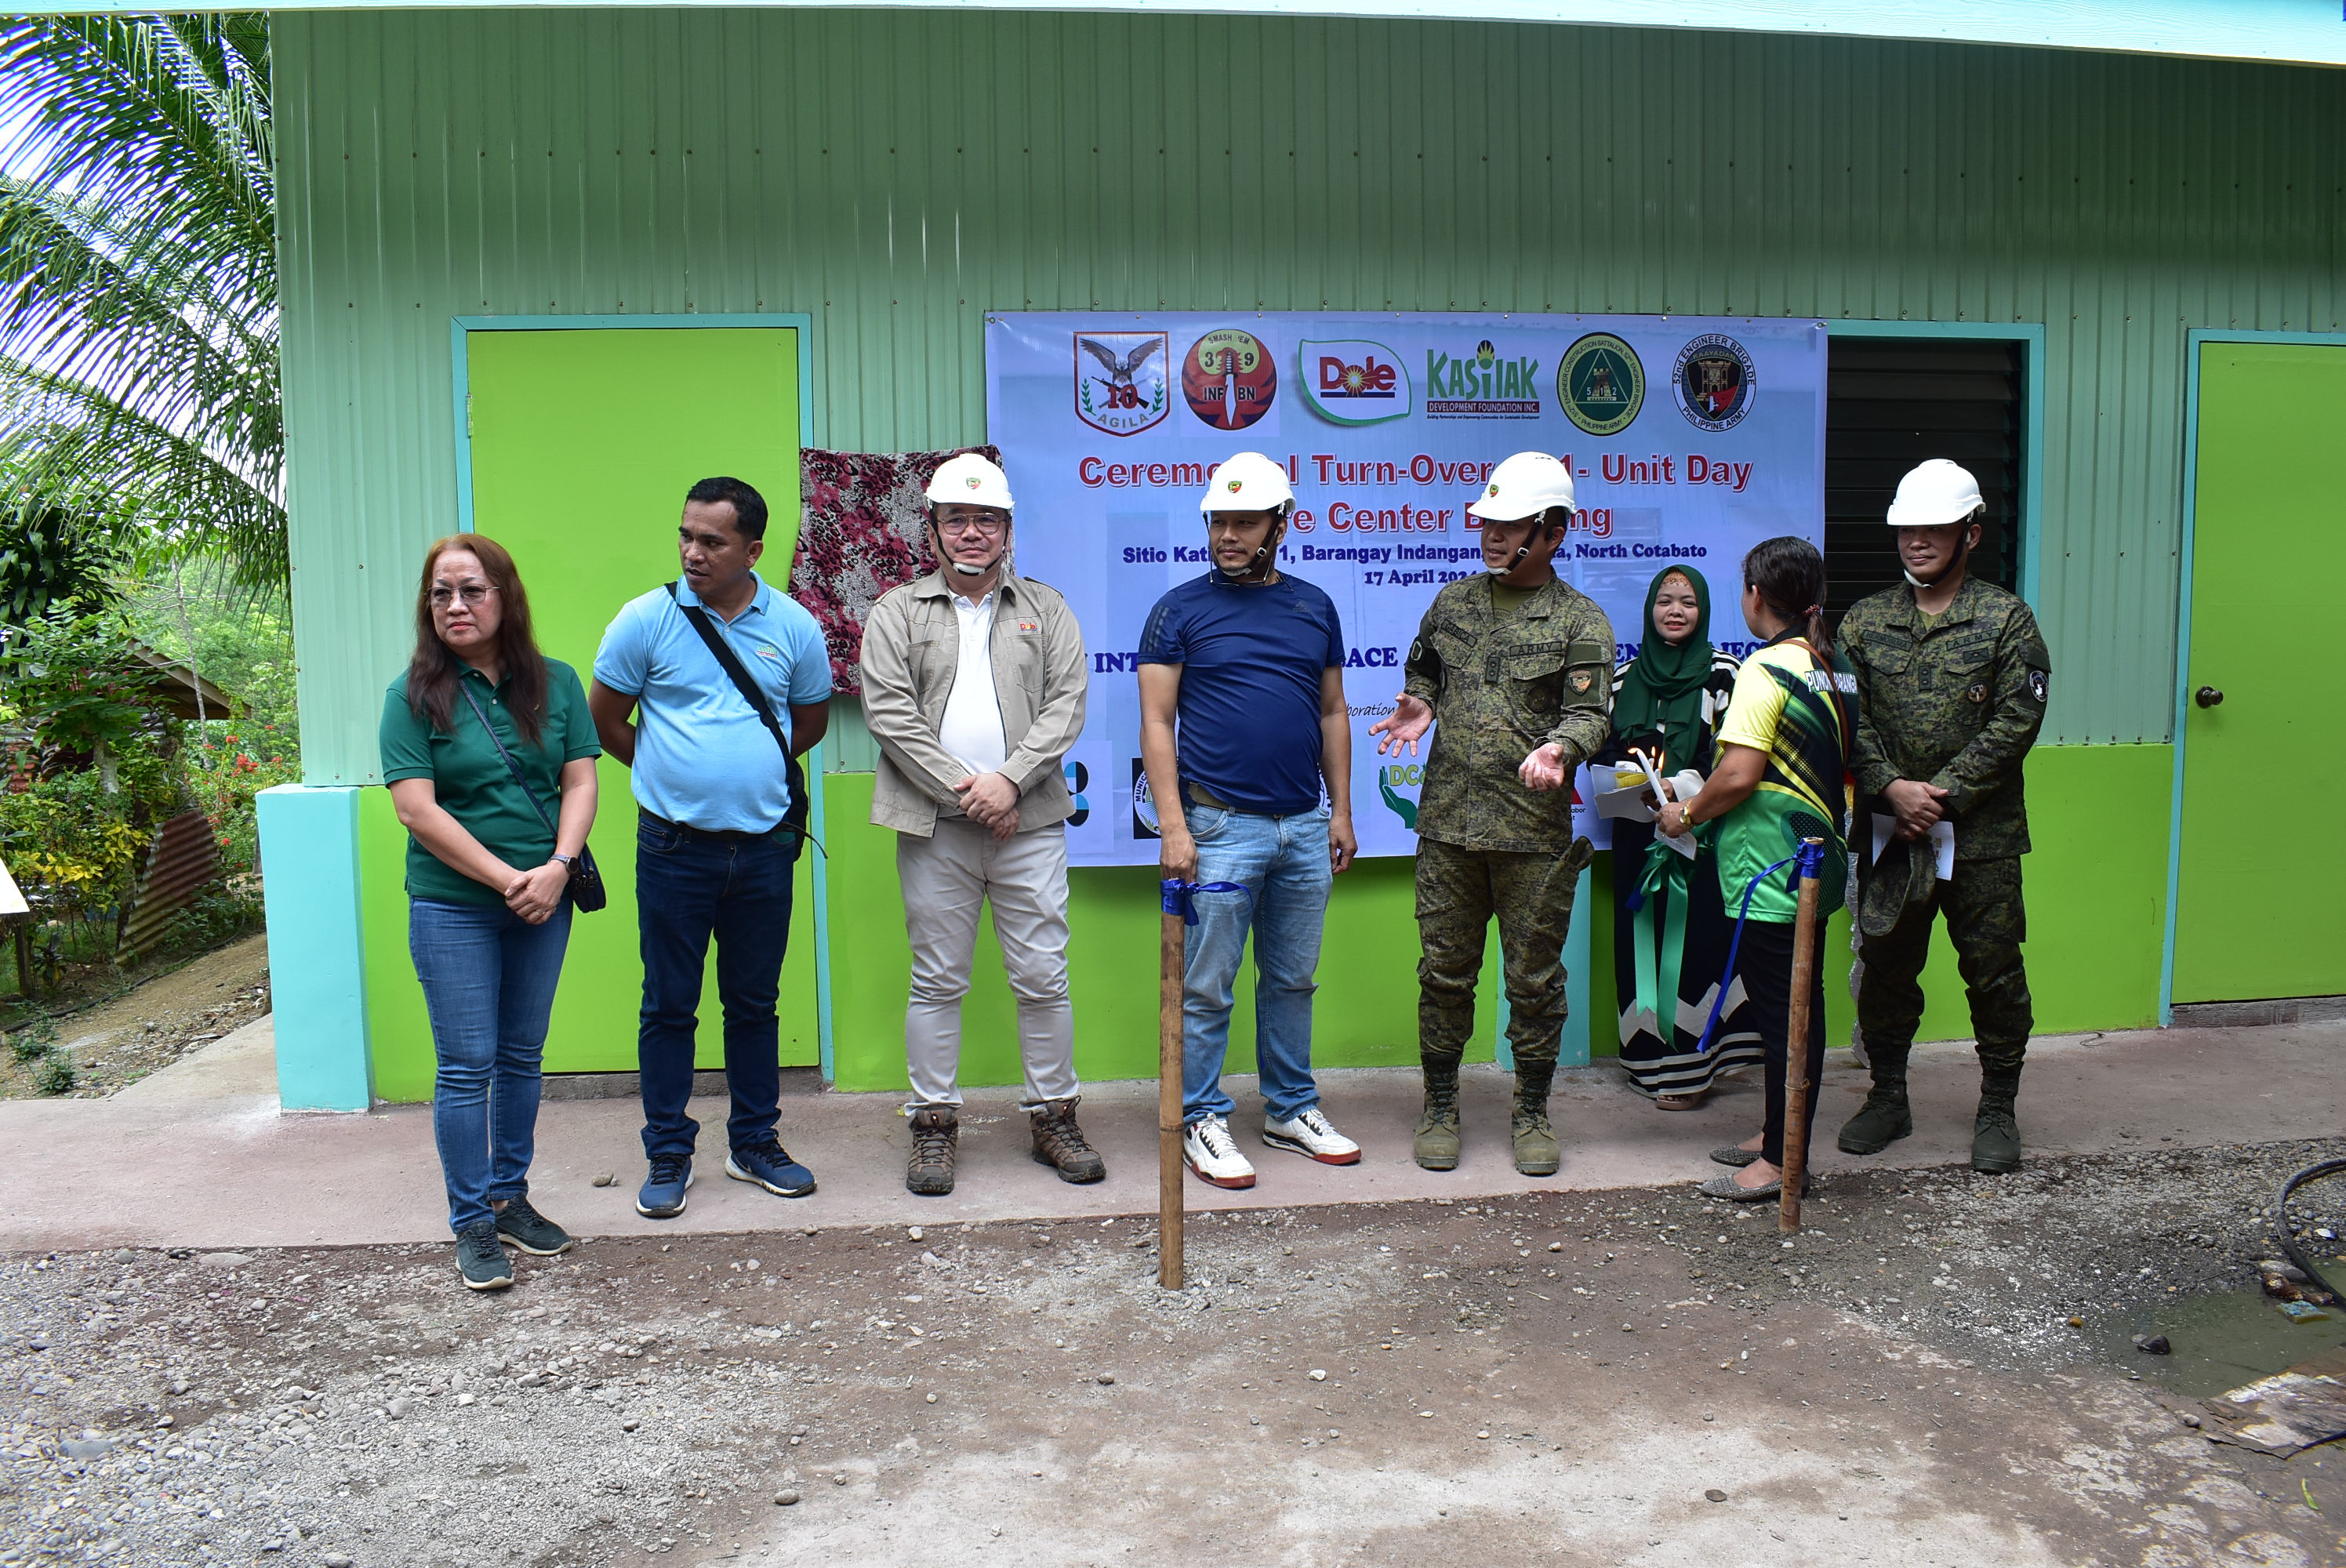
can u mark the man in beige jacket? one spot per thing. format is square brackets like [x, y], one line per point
[974, 685]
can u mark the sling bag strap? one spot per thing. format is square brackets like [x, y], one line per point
[586, 882]
[795, 819]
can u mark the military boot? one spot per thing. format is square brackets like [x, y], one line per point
[1885, 1117]
[1436, 1144]
[936, 1135]
[1536, 1153]
[1996, 1133]
[1061, 1145]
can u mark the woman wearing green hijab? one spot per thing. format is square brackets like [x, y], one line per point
[1670, 930]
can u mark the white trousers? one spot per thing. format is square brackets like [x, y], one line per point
[946, 879]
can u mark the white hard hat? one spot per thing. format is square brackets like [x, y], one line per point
[1937, 491]
[1249, 482]
[971, 480]
[1525, 485]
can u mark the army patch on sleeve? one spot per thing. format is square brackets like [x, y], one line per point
[1975, 692]
[2038, 681]
[1580, 679]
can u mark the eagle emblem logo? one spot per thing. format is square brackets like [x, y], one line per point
[1123, 380]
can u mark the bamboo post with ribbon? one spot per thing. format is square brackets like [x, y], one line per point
[1172, 948]
[1797, 1024]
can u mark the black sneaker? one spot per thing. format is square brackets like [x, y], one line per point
[532, 1231]
[481, 1260]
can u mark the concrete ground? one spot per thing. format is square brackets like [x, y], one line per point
[230, 1335]
[197, 1154]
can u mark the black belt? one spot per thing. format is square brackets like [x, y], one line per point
[707, 835]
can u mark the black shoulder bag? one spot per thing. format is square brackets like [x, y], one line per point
[586, 878]
[795, 819]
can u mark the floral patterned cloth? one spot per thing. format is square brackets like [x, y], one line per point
[861, 531]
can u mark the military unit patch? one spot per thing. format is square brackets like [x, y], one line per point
[1715, 382]
[2038, 681]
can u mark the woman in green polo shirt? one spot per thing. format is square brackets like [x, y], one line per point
[1782, 776]
[489, 752]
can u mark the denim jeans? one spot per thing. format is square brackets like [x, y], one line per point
[488, 981]
[687, 890]
[1282, 864]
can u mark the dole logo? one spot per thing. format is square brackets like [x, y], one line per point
[1352, 382]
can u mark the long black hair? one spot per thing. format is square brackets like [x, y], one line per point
[1790, 575]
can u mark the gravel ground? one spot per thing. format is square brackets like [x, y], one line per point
[1597, 1378]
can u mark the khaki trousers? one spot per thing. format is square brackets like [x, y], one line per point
[947, 878]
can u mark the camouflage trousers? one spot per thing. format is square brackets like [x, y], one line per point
[1987, 923]
[1458, 891]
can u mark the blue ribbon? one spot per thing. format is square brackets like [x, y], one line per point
[1180, 897]
[1811, 862]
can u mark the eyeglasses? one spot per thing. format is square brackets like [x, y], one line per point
[982, 526]
[469, 593]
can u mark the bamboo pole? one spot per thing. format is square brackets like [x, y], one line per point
[1796, 1040]
[1171, 951]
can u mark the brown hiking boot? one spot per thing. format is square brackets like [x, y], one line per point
[937, 1134]
[1060, 1143]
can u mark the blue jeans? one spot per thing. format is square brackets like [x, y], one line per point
[488, 984]
[687, 890]
[1282, 862]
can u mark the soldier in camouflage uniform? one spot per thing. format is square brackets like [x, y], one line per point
[1952, 680]
[1513, 670]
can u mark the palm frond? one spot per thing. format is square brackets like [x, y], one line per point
[138, 279]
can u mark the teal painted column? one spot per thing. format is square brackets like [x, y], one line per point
[310, 882]
[1572, 1049]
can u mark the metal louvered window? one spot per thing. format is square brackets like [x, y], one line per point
[1890, 403]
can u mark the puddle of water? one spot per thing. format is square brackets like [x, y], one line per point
[2222, 1340]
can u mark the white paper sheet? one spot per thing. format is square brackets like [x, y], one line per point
[1942, 843]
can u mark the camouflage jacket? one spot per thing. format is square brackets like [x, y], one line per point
[1957, 706]
[1499, 688]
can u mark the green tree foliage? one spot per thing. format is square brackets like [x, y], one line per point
[138, 279]
[53, 559]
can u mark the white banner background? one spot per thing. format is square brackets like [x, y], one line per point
[1709, 437]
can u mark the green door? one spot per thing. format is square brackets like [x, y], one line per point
[583, 442]
[2259, 911]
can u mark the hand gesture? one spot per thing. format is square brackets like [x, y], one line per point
[1918, 807]
[536, 893]
[1544, 768]
[991, 801]
[1411, 718]
[1177, 855]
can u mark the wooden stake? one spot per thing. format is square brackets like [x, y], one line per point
[1171, 952]
[1796, 1047]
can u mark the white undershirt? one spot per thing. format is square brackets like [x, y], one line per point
[972, 728]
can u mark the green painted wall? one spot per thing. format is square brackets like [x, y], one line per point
[899, 173]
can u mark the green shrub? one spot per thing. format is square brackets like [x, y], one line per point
[26, 1045]
[53, 1074]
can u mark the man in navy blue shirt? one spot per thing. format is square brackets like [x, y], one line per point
[1243, 729]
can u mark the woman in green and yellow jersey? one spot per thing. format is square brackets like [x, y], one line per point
[1782, 776]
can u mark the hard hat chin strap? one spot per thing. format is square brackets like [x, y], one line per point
[962, 568]
[1955, 563]
[1259, 568]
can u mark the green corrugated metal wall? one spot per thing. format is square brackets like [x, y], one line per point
[897, 174]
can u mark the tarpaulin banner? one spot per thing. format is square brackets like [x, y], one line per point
[1690, 439]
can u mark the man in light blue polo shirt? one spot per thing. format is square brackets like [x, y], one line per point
[715, 840]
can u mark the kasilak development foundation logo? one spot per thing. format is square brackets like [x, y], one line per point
[1601, 384]
[1123, 380]
[1485, 384]
[1228, 379]
[1352, 382]
[1715, 382]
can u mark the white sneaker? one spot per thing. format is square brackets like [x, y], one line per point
[1311, 1134]
[1214, 1154]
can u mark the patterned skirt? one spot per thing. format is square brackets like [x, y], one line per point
[1673, 1066]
